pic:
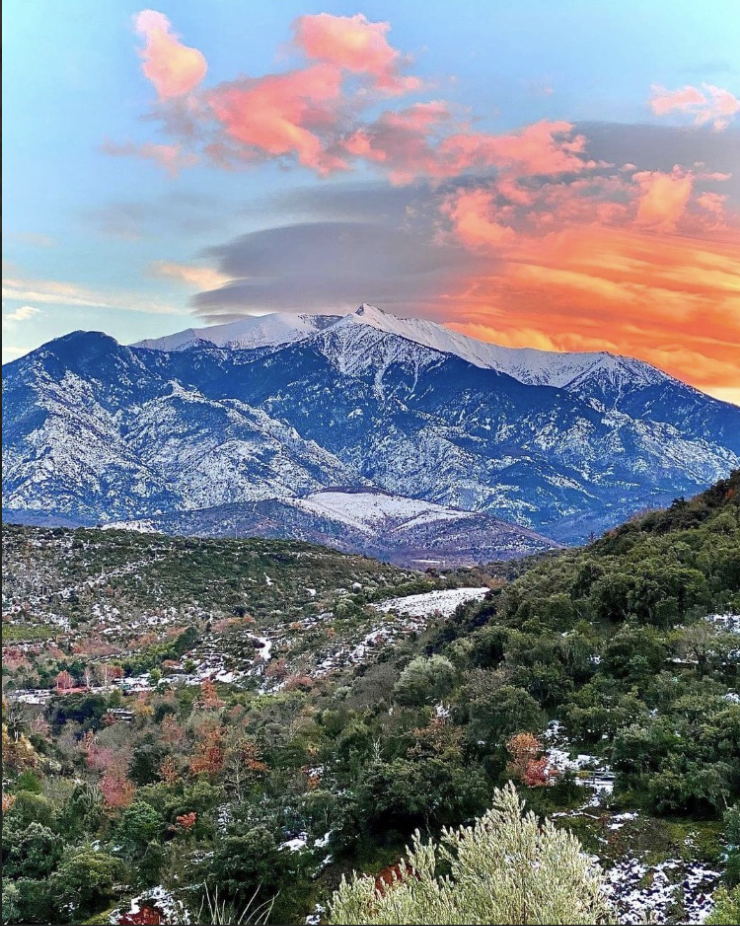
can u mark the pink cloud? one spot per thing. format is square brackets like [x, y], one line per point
[357, 46]
[663, 198]
[412, 142]
[171, 157]
[545, 147]
[312, 115]
[291, 114]
[172, 67]
[403, 141]
[710, 105]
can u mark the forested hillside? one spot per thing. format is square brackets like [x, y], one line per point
[279, 724]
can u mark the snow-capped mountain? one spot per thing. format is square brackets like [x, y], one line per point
[254, 421]
[573, 371]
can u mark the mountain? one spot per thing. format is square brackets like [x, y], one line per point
[251, 423]
[406, 532]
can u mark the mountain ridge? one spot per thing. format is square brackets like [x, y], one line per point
[94, 431]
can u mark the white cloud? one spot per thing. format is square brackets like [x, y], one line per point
[56, 292]
[198, 277]
[23, 314]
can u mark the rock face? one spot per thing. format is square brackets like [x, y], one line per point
[246, 426]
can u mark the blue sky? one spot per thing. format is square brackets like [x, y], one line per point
[98, 235]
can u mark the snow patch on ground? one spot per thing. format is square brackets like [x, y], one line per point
[444, 602]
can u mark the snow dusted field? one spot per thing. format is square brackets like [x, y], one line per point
[370, 510]
[444, 602]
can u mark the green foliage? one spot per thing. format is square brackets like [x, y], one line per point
[33, 853]
[506, 868]
[245, 862]
[732, 840]
[424, 681]
[188, 788]
[84, 883]
[139, 828]
[727, 908]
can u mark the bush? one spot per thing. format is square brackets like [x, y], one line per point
[504, 869]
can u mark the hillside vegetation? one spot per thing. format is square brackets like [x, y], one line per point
[272, 730]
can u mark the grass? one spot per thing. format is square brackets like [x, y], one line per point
[28, 633]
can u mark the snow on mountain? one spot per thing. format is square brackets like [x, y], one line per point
[435, 446]
[573, 371]
[370, 511]
[405, 531]
[245, 334]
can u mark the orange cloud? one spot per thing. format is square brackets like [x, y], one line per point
[356, 45]
[171, 157]
[172, 67]
[649, 279]
[663, 199]
[283, 114]
[188, 274]
[710, 105]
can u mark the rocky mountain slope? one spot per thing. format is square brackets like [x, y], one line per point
[247, 422]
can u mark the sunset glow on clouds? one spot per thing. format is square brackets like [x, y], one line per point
[527, 225]
[172, 67]
[708, 104]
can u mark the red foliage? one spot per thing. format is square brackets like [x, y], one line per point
[211, 757]
[118, 792]
[64, 681]
[8, 801]
[169, 772]
[172, 732]
[528, 765]
[390, 877]
[185, 822]
[278, 668]
[296, 682]
[147, 916]
[209, 695]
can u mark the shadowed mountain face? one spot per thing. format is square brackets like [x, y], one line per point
[236, 424]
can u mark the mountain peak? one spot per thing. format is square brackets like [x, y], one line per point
[576, 372]
[368, 309]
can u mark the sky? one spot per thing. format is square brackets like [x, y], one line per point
[562, 175]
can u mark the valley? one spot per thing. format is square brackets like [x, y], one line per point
[267, 715]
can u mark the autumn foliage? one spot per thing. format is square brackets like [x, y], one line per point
[527, 763]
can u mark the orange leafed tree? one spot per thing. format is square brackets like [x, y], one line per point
[64, 681]
[209, 695]
[169, 772]
[210, 757]
[118, 792]
[527, 763]
[185, 822]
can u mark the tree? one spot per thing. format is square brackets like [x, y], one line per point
[506, 868]
[424, 681]
[118, 792]
[528, 765]
[139, 827]
[84, 883]
[247, 861]
[64, 682]
[34, 853]
[500, 712]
